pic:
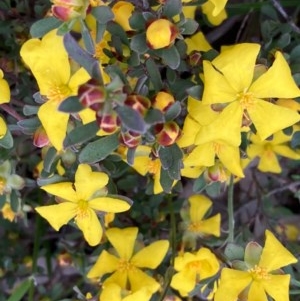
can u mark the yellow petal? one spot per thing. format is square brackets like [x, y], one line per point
[269, 118]
[274, 254]
[123, 240]
[237, 64]
[110, 292]
[232, 283]
[151, 256]
[189, 131]
[54, 122]
[3, 127]
[286, 151]
[105, 264]
[90, 226]
[63, 190]
[257, 292]
[202, 155]
[138, 279]
[276, 82]
[80, 77]
[87, 182]
[230, 157]
[210, 11]
[217, 89]
[58, 215]
[184, 281]
[4, 88]
[219, 5]
[268, 162]
[211, 225]
[192, 172]
[278, 287]
[200, 204]
[109, 204]
[198, 41]
[119, 277]
[142, 294]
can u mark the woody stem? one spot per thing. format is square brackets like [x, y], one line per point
[230, 211]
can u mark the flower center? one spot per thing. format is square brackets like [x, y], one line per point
[82, 210]
[259, 273]
[246, 99]
[195, 227]
[2, 185]
[217, 147]
[125, 265]
[195, 266]
[154, 166]
[58, 92]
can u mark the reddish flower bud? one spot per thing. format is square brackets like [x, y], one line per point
[163, 101]
[195, 58]
[216, 173]
[66, 10]
[107, 122]
[139, 103]
[130, 139]
[168, 133]
[92, 95]
[40, 138]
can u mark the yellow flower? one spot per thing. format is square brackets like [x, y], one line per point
[4, 88]
[161, 33]
[122, 11]
[49, 63]
[260, 276]
[197, 42]
[3, 127]
[229, 80]
[114, 292]
[9, 180]
[193, 268]
[267, 151]
[81, 201]
[215, 11]
[126, 266]
[194, 223]
[7, 212]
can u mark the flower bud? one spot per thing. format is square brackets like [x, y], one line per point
[167, 133]
[68, 157]
[217, 173]
[122, 11]
[66, 10]
[195, 59]
[163, 101]
[108, 122]
[130, 139]
[161, 33]
[92, 95]
[40, 138]
[139, 103]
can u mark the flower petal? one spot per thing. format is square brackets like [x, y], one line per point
[105, 264]
[63, 190]
[189, 132]
[90, 226]
[269, 162]
[54, 122]
[274, 254]
[257, 292]
[200, 204]
[3, 128]
[211, 225]
[217, 89]
[276, 82]
[269, 118]
[184, 281]
[201, 155]
[278, 287]
[252, 253]
[232, 283]
[138, 279]
[237, 64]
[58, 215]
[109, 204]
[4, 88]
[123, 240]
[152, 255]
[87, 182]
[111, 291]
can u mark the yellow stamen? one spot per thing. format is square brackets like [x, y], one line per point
[125, 265]
[246, 99]
[58, 92]
[2, 185]
[259, 273]
[195, 227]
[217, 147]
[154, 166]
[82, 210]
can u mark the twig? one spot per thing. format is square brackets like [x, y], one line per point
[5, 107]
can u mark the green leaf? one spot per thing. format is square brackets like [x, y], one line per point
[295, 142]
[234, 252]
[7, 141]
[173, 111]
[171, 57]
[154, 74]
[29, 126]
[172, 8]
[117, 30]
[166, 181]
[154, 116]
[199, 184]
[2, 200]
[189, 27]
[214, 189]
[137, 21]
[71, 105]
[98, 150]
[14, 201]
[87, 38]
[43, 26]
[81, 134]
[50, 159]
[283, 41]
[51, 180]
[171, 160]
[195, 91]
[21, 290]
[138, 43]
[82, 57]
[131, 119]
[103, 14]
[29, 110]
